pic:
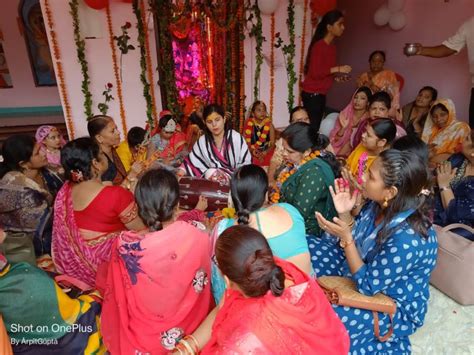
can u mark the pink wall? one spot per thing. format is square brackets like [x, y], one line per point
[99, 57]
[24, 92]
[429, 22]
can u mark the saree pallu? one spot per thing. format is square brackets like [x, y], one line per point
[387, 81]
[5, 346]
[447, 139]
[300, 321]
[72, 254]
[41, 319]
[156, 289]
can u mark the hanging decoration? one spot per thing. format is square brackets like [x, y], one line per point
[289, 51]
[257, 33]
[303, 47]
[391, 13]
[149, 65]
[320, 7]
[272, 63]
[117, 76]
[104, 106]
[97, 4]
[122, 42]
[268, 7]
[59, 70]
[143, 73]
[81, 57]
[212, 9]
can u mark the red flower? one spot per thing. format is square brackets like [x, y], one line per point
[109, 85]
[128, 24]
[277, 34]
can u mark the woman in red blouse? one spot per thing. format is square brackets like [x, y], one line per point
[321, 68]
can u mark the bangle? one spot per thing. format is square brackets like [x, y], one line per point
[444, 188]
[345, 244]
[187, 346]
[194, 340]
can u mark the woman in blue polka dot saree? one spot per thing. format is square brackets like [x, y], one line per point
[389, 248]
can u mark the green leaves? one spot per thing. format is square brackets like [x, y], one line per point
[122, 40]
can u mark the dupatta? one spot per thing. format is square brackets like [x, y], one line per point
[70, 251]
[446, 139]
[156, 289]
[300, 321]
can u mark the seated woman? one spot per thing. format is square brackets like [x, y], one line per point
[297, 114]
[41, 318]
[131, 149]
[378, 137]
[379, 107]
[390, 248]
[196, 124]
[310, 170]
[88, 215]
[156, 287]
[455, 200]
[219, 151]
[104, 131]
[27, 192]
[259, 133]
[377, 78]
[168, 145]
[270, 307]
[414, 114]
[348, 122]
[280, 223]
[443, 132]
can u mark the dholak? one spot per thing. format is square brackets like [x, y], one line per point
[190, 188]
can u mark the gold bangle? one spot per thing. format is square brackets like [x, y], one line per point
[187, 346]
[345, 244]
[194, 340]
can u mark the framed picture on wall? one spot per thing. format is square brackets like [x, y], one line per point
[37, 44]
[5, 78]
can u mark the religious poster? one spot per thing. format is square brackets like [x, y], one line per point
[37, 43]
[5, 78]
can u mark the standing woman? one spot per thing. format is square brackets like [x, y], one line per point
[321, 66]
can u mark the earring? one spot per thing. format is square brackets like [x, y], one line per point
[385, 203]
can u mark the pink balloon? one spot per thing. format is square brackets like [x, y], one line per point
[397, 21]
[382, 16]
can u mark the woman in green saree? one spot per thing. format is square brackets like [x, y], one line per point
[310, 170]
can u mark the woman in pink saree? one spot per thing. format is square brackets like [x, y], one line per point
[156, 288]
[270, 306]
[88, 215]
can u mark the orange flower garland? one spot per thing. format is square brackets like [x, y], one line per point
[149, 64]
[241, 69]
[272, 63]
[286, 173]
[59, 70]
[118, 82]
[303, 45]
[262, 137]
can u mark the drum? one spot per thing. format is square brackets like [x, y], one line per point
[190, 188]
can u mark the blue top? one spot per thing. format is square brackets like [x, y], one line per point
[290, 243]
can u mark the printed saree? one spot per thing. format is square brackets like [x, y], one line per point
[79, 249]
[300, 321]
[156, 289]
[41, 319]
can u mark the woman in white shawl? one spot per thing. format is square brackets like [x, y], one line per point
[219, 151]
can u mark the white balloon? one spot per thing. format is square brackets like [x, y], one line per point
[382, 16]
[299, 2]
[268, 7]
[397, 21]
[395, 5]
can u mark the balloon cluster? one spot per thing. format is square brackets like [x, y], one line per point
[100, 4]
[392, 14]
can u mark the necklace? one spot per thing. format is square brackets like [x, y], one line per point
[288, 171]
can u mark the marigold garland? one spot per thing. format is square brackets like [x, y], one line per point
[59, 70]
[262, 137]
[291, 49]
[118, 82]
[289, 170]
[272, 63]
[303, 45]
[149, 65]
[241, 69]
[81, 58]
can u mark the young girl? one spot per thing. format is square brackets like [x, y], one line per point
[51, 142]
[378, 137]
[259, 134]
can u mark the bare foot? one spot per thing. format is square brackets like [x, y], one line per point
[202, 204]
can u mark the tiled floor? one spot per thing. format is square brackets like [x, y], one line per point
[448, 328]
